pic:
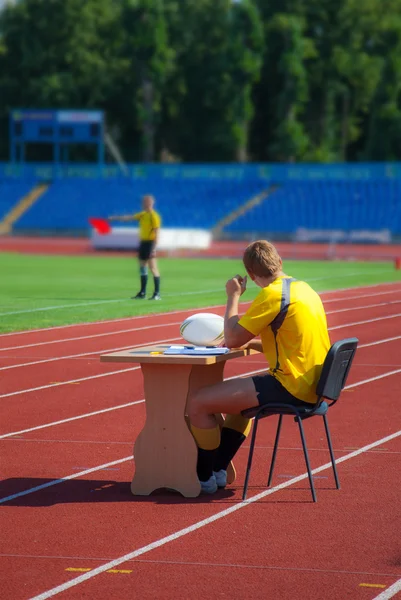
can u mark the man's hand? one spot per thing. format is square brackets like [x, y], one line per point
[236, 286]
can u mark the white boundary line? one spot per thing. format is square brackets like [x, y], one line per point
[365, 322]
[135, 329]
[106, 350]
[349, 309]
[185, 310]
[104, 410]
[66, 478]
[97, 335]
[53, 385]
[57, 358]
[203, 523]
[57, 481]
[116, 300]
[77, 418]
[389, 592]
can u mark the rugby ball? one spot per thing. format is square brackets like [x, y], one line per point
[203, 329]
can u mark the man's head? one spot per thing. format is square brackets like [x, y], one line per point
[262, 261]
[148, 202]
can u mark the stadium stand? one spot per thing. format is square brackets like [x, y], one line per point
[196, 203]
[301, 201]
[10, 193]
[340, 205]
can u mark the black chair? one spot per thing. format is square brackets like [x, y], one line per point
[332, 380]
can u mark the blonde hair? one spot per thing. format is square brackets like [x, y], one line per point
[262, 259]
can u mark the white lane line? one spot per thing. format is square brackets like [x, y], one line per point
[352, 385]
[57, 481]
[53, 385]
[105, 351]
[77, 418]
[360, 296]
[186, 310]
[97, 335]
[97, 412]
[136, 368]
[116, 300]
[156, 326]
[122, 319]
[66, 478]
[385, 341]
[203, 523]
[390, 592]
[57, 358]
[365, 322]
[348, 309]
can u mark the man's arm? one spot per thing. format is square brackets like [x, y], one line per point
[235, 335]
[134, 217]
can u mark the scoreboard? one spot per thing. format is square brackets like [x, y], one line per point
[56, 127]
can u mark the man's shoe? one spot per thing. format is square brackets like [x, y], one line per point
[139, 296]
[155, 297]
[209, 486]
[221, 478]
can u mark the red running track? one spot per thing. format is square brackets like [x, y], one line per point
[82, 535]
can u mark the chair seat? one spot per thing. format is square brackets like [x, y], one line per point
[305, 413]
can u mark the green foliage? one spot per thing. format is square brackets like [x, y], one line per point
[214, 80]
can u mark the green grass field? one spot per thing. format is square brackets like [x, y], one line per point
[42, 291]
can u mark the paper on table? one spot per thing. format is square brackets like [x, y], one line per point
[195, 350]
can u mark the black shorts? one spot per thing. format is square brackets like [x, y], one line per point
[270, 391]
[146, 250]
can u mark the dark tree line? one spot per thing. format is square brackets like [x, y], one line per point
[214, 80]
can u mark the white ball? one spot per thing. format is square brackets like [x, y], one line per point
[203, 329]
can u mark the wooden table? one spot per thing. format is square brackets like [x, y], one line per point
[165, 451]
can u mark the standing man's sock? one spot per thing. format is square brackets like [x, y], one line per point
[234, 432]
[144, 279]
[208, 441]
[157, 284]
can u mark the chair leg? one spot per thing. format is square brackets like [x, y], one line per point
[312, 486]
[273, 462]
[250, 456]
[333, 462]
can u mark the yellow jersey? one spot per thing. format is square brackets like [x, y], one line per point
[290, 319]
[148, 223]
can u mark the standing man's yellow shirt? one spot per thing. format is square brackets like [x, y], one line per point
[290, 319]
[148, 223]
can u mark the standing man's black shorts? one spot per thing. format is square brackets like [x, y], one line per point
[146, 249]
[270, 391]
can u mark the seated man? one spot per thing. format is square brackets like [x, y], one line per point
[290, 319]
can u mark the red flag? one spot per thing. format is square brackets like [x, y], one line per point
[102, 226]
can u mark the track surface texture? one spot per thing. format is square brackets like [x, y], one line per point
[71, 528]
[218, 249]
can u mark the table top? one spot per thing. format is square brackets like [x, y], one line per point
[154, 354]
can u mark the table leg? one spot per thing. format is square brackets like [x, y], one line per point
[202, 376]
[165, 452]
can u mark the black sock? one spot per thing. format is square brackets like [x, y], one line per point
[157, 284]
[231, 441]
[204, 467]
[144, 282]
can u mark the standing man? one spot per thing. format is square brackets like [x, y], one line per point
[149, 227]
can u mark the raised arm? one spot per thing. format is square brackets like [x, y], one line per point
[134, 217]
[235, 335]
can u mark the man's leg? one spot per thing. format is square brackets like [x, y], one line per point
[233, 434]
[227, 397]
[143, 269]
[156, 276]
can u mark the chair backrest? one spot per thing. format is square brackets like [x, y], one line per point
[336, 368]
